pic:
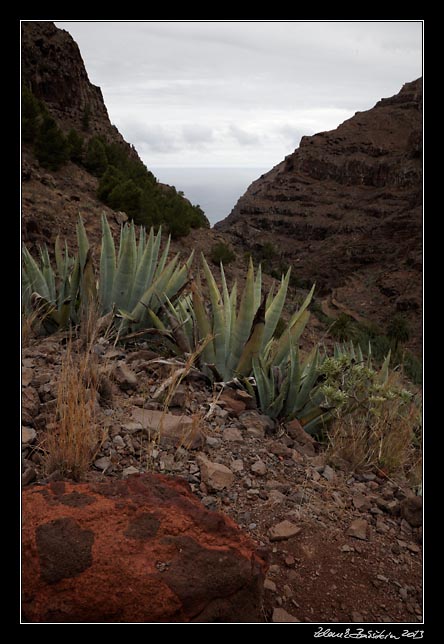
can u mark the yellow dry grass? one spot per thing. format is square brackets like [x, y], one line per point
[389, 441]
[71, 446]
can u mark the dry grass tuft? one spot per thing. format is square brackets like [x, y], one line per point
[72, 445]
[389, 441]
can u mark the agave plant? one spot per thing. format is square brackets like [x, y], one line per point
[134, 281]
[314, 389]
[137, 283]
[293, 389]
[239, 334]
[53, 292]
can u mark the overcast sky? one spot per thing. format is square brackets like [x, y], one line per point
[215, 93]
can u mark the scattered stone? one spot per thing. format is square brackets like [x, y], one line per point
[232, 435]
[180, 397]
[304, 442]
[27, 376]
[30, 405]
[215, 475]
[270, 585]
[360, 502]
[413, 548]
[237, 465]
[404, 593]
[281, 616]
[118, 441]
[411, 510]
[28, 476]
[128, 471]
[143, 355]
[338, 499]
[28, 435]
[82, 538]
[289, 560]
[132, 428]
[382, 578]
[172, 431]
[358, 529]
[253, 418]
[103, 463]
[328, 473]
[256, 432]
[259, 468]
[232, 404]
[212, 441]
[356, 617]
[381, 526]
[276, 497]
[124, 376]
[283, 531]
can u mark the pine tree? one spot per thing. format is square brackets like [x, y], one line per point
[51, 147]
[96, 160]
[30, 115]
[75, 145]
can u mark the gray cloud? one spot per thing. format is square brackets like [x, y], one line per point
[243, 136]
[241, 91]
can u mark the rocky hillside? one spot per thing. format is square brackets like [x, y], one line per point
[63, 111]
[53, 68]
[345, 209]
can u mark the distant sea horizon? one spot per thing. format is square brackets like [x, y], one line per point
[215, 189]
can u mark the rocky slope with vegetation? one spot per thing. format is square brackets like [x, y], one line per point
[73, 158]
[345, 210]
[137, 361]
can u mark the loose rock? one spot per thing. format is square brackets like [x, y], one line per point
[171, 430]
[358, 529]
[28, 435]
[215, 475]
[259, 468]
[411, 510]
[232, 435]
[281, 616]
[283, 531]
[124, 376]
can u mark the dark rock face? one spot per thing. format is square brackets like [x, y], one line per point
[53, 68]
[139, 550]
[348, 203]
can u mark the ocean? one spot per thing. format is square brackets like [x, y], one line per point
[215, 190]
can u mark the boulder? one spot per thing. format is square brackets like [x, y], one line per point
[142, 549]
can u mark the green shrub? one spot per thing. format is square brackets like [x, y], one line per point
[75, 146]
[343, 328]
[30, 115]
[220, 252]
[51, 147]
[398, 330]
[126, 196]
[96, 161]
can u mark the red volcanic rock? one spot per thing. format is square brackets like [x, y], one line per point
[139, 550]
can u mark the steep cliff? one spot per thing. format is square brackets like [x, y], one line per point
[345, 210]
[72, 154]
[53, 68]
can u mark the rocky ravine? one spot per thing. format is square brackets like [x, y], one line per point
[345, 210]
[341, 547]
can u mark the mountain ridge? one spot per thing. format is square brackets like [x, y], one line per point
[347, 205]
